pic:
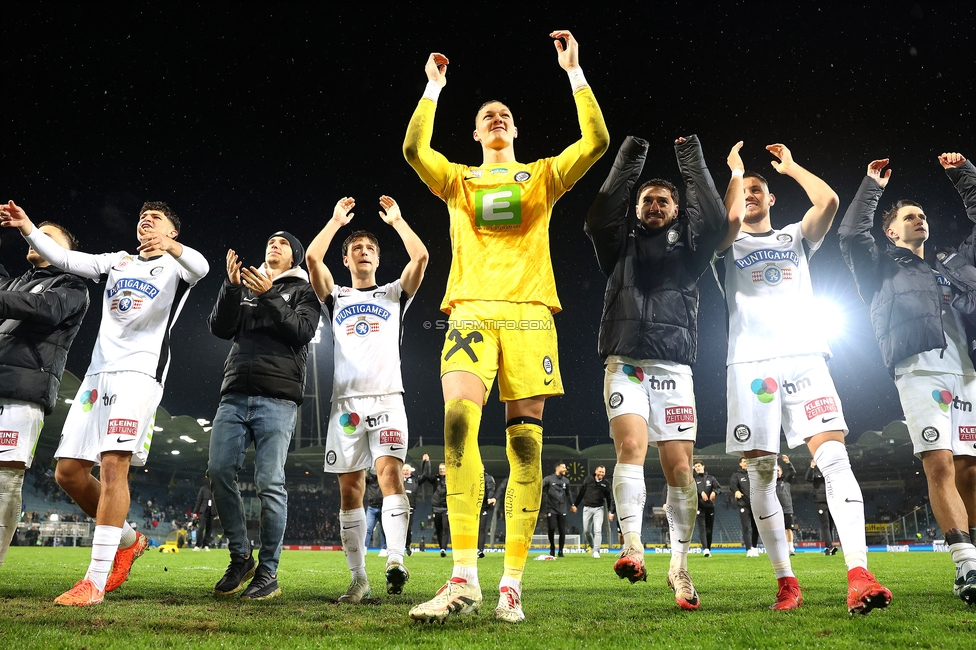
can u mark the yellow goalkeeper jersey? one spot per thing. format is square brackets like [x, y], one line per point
[500, 212]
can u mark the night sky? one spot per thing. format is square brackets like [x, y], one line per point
[251, 121]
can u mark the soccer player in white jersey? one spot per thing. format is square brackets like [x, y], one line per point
[110, 422]
[368, 424]
[777, 376]
[922, 313]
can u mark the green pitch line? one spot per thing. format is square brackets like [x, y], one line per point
[576, 602]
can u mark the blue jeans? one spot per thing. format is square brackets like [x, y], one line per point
[269, 423]
[372, 514]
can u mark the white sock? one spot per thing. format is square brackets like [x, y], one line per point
[352, 532]
[469, 573]
[11, 482]
[682, 508]
[105, 542]
[511, 583]
[396, 518]
[630, 494]
[768, 513]
[962, 551]
[128, 536]
[845, 501]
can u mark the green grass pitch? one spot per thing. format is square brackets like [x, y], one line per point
[575, 602]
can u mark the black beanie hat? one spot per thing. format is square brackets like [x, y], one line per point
[297, 250]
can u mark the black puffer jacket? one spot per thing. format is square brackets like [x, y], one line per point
[900, 287]
[40, 314]
[270, 333]
[650, 309]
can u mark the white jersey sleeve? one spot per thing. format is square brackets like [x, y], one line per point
[84, 264]
[772, 312]
[366, 331]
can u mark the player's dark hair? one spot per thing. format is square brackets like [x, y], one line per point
[159, 206]
[757, 176]
[558, 464]
[659, 182]
[890, 215]
[360, 234]
[72, 240]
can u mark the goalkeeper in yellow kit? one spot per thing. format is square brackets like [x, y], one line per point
[501, 295]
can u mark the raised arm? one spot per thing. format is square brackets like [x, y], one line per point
[857, 244]
[226, 313]
[818, 219]
[705, 208]
[963, 175]
[578, 157]
[319, 274]
[49, 307]
[735, 199]
[606, 220]
[413, 272]
[83, 264]
[432, 167]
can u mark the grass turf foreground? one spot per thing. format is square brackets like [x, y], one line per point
[576, 602]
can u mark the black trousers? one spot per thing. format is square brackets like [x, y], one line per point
[409, 528]
[205, 530]
[556, 520]
[442, 528]
[746, 519]
[706, 521]
[827, 526]
[486, 517]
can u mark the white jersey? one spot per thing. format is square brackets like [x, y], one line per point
[366, 327]
[770, 297]
[141, 302]
[955, 358]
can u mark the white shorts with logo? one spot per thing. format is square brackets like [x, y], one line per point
[661, 392]
[361, 429]
[795, 394]
[939, 411]
[20, 428]
[113, 411]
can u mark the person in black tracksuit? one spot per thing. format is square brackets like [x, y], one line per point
[438, 502]
[40, 314]
[558, 502]
[739, 487]
[205, 510]
[785, 473]
[815, 476]
[411, 484]
[373, 503]
[708, 489]
[487, 512]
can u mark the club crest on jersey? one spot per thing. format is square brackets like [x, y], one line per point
[9, 438]
[547, 365]
[156, 271]
[37, 289]
[522, 176]
[616, 399]
[930, 434]
[286, 297]
[673, 236]
[362, 327]
[330, 458]
[741, 433]
[783, 237]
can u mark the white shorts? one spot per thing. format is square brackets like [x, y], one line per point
[939, 411]
[661, 392]
[20, 428]
[361, 429]
[792, 393]
[113, 411]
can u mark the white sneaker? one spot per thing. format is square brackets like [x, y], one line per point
[706, 553]
[456, 597]
[596, 554]
[509, 605]
[358, 589]
[383, 552]
[752, 552]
